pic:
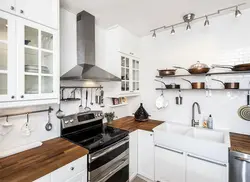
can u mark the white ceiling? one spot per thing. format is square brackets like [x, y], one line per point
[140, 16]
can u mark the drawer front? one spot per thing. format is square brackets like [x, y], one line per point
[68, 171]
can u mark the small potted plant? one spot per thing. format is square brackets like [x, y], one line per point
[110, 117]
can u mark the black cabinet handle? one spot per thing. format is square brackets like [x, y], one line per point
[72, 168]
[22, 96]
[21, 11]
[12, 8]
[13, 97]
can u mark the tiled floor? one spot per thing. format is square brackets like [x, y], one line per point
[137, 179]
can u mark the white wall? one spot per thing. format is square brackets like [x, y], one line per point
[226, 40]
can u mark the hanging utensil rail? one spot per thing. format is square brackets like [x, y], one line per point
[65, 87]
[27, 113]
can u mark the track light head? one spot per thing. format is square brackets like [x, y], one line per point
[188, 27]
[172, 31]
[154, 35]
[206, 23]
[237, 12]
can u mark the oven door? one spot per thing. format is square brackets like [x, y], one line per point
[110, 164]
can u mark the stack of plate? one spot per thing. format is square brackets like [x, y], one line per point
[34, 69]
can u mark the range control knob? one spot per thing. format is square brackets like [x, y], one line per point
[71, 121]
[66, 121]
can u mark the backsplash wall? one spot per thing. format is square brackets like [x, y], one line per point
[226, 40]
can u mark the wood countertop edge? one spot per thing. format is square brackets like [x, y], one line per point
[240, 143]
[35, 163]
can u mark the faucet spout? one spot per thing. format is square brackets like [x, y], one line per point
[193, 123]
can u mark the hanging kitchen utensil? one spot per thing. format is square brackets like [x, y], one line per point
[161, 102]
[81, 106]
[141, 114]
[102, 99]
[86, 109]
[170, 86]
[26, 129]
[196, 85]
[239, 67]
[198, 68]
[244, 111]
[49, 125]
[229, 85]
[7, 123]
[60, 114]
[91, 99]
[180, 98]
[97, 94]
[167, 72]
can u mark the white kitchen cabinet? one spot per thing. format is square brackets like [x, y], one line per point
[70, 170]
[8, 5]
[199, 169]
[8, 62]
[29, 64]
[146, 154]
[133, 151]
[46, 178]
[42, 11]
[81, 177]
[45, 12]
[169, 165]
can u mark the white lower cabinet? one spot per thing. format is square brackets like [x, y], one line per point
[146, 154]
[133, 151]
[75, 171]
[169, 165]
[199, 169]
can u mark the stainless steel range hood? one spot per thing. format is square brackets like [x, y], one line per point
[86, 68]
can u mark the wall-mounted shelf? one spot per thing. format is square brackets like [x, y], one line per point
[218, 89]
[124, 95]
[118, 105]
[208, 74]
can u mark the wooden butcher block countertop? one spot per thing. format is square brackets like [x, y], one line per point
[128, 123]
[34, 163]
[240, 143]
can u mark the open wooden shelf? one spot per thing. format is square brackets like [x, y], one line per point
[219, 89]
[207, 74]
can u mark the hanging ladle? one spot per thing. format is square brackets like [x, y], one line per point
[80, 106]
[86, 107]
[60, 114]
[49, 126]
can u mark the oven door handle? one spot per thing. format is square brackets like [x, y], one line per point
[117, 168]
[126, 140]
[242, 159]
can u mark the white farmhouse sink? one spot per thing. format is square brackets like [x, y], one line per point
[211, 144]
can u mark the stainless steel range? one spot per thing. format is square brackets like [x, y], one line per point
[108, 159]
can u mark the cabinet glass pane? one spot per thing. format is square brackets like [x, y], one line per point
[127, 86]
[31, 60]
[47, 84]
[3, 29]
[134, 86]
[47, 41]
[123, 61]
[127, 62]
[123, 86]
[134, 64]
[127, 74]
[137, 86]
[31, 84]
[123, 73]
[137, 76]
[3, 56]
[134, 72]
[31, 36]
[47, 63]
[137, 64]
[3, 84]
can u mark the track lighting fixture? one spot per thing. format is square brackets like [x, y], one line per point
[188, 27]
[206, 22]
[237, 12]
[190, 17]
[172, 31]
[154, 35]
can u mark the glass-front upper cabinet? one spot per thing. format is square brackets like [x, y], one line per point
[37, 52]
[135, 69]
[129, 74]
[7, 58]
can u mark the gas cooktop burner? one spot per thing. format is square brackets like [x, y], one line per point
[90, 133]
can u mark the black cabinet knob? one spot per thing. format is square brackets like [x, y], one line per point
[72, 168]
[21, 11]
[13, 97]
[22, 96]
[12, 8]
